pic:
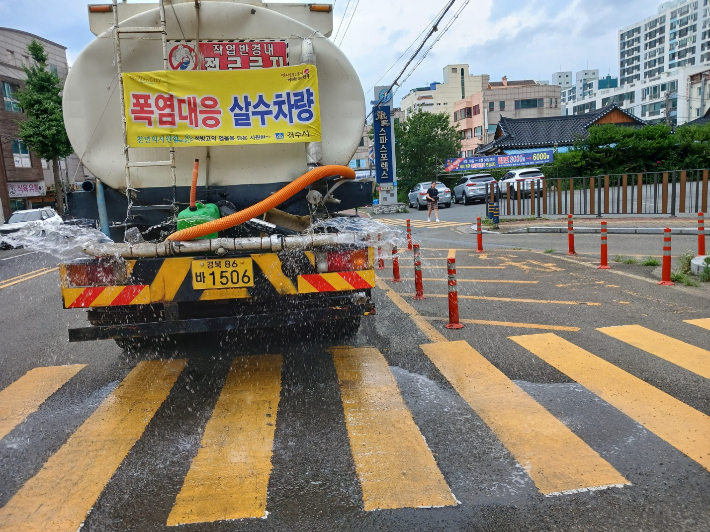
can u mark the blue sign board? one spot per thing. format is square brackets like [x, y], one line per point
[533, 158]
[382, 129]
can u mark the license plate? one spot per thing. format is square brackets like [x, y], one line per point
[222, 273]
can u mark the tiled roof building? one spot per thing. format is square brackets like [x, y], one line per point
[552, 131]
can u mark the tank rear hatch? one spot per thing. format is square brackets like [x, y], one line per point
[92, 100]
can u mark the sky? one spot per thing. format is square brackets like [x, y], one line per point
[520, 39]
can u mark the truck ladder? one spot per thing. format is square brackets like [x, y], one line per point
[118, 32]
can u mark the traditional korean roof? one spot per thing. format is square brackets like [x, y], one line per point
[701, 121]
[517, 133]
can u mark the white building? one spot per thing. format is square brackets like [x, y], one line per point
[563, 79]
[664, 66]
[440, 97]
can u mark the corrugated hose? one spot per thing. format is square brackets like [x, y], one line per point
[269, 203]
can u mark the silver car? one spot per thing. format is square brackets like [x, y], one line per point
[472, 188]
[417, 196]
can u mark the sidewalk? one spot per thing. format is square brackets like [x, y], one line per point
[592, 224]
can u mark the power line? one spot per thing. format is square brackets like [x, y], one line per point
[403, 53]
[341, 21]
[352, 16]
[414, 55]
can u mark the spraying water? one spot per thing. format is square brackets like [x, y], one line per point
[63, 241]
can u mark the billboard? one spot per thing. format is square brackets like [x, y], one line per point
[227, 55]
[534, 158]
[222, 107]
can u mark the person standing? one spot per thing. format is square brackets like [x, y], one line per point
[432, 200]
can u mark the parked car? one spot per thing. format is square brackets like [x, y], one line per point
[417, 196]
[527, 179]
[19, 219]
[471, 188]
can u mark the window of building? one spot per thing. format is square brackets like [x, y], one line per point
[478, 131]
[491, 106]
[530, 104]
[8, 93]
[453, 70]
[362, 141]
[476, 110]
[501, 106]
[53, 69]
[21, 154]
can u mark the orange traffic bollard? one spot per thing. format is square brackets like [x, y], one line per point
[418, 286]
[380, 258]
[395, 266]
[453, 296]
[479, 235]
[570, 235]
[666, 272]
[605, 258]
[409, 235]
[701, 234]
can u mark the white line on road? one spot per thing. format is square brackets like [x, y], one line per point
[16, 256]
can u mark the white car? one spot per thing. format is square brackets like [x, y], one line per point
[19, 219]
[527, 179]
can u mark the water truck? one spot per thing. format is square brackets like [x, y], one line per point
[218, 132]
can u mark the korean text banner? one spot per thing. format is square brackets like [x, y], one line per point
[499, 161]
[213, 108]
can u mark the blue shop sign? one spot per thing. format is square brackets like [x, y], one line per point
[382, 129]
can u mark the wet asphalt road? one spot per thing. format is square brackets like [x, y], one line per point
[314, 482]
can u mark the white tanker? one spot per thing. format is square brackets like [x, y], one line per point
[217, 219]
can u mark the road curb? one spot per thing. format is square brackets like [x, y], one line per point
[592, 230]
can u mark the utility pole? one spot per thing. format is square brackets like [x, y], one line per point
[668, 108]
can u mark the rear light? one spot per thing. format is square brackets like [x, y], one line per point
[77, 275]
[95, 274]
[422, 193]
[323, 8]
[446, 191]
[472, 185]
[105, 8]
[342, 261]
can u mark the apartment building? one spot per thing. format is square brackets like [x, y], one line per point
[440, 97]
[25, 179]
[477, 116]
[677, 36]
[664, 65]
[563, 79]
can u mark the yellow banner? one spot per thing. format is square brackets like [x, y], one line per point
[213, 108]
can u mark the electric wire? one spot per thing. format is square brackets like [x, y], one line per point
[337, 32]
[438, 38]
[405, 51]
[352, 16]
[414, 55]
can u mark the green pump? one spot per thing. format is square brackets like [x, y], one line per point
[197, 213]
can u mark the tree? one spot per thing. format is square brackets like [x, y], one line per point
[43, 130]
[422, 143]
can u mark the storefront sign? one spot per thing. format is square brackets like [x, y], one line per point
[382, 129]
[212, 108]
[27, 190]
[499, 161]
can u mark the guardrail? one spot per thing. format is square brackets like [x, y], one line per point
[649, 193]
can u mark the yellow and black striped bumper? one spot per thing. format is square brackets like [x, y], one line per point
[162, 280]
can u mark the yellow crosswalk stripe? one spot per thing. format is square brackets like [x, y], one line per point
[683, 427]
[556, 459]
[704, 323]
[229, 476]
[679, 353]
[26, 394]
[395, 467]
[59, 497]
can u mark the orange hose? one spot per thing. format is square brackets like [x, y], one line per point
[193, 188]
[269, 203]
